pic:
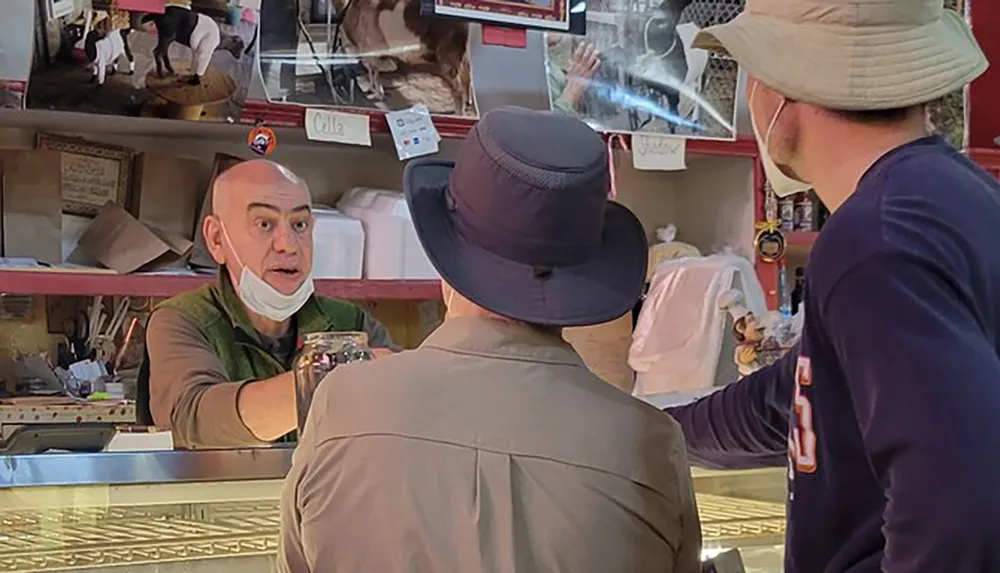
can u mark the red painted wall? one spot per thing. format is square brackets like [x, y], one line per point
[984, 94]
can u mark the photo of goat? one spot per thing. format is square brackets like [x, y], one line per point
[635, 71]
[374, 54]
[193, 60]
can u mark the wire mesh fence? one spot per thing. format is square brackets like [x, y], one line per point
[721, 75]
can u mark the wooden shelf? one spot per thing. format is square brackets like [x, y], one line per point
[151, 285]
[293, 116]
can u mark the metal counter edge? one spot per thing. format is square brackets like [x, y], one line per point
[151, 467]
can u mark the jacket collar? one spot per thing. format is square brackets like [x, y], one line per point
[499, 339]
[309, 318]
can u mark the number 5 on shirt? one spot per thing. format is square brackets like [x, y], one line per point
[803, 434]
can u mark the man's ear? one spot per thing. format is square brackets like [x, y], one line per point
[211, 228]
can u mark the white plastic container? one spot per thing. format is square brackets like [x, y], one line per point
[338, 245]
[392, 250]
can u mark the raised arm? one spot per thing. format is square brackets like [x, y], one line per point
[191, 394]
[924, 378]
[744, 425]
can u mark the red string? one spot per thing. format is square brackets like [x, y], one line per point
[613, 192]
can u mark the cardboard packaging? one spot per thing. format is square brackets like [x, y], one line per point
[166, 193]
[122, 243]
[32, 205]
[200, 257]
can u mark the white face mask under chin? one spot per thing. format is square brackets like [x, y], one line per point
[263, 299]
[782, 184]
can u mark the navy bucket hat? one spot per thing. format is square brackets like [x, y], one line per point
[521, 225]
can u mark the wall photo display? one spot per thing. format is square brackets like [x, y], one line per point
[635, 71]
[91, 174]
[175, 59]
[365, 54]
[17, 38]
[542, 14]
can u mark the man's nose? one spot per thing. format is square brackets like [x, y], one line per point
[285, 240]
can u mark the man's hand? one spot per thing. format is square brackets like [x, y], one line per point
[582, 68]
[380, 352]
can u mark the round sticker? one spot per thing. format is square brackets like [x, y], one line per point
[770, 242]
[262, 140]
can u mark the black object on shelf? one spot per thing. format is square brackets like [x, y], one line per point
[40, 438]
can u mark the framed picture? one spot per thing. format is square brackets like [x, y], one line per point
[91, 173]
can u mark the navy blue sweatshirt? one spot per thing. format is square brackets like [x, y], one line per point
[888, 412]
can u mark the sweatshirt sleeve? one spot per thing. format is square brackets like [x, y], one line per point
[744, 425]
[924, 380]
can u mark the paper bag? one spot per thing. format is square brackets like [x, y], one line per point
[604, 349]
[122, 243]
[32, 205]
[200, 257]
[166, 193]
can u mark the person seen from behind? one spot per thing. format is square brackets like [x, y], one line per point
[886, 412]
[492, 448]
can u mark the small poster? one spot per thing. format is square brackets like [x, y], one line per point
[174, 59]
[383, 56]
[635, 70]
[546, 14]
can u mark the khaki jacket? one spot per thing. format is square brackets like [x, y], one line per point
[490, 449]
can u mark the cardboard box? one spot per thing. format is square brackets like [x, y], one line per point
[166, 193]
[31, 205]
[121, 242]
[200, 257]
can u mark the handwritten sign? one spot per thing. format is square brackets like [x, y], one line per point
[89, 181]
[659, 152]
[338, 127]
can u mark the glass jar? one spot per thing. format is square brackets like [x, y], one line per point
[321, 353]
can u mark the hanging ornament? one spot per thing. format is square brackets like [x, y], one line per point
[262, 140]
[770, 242]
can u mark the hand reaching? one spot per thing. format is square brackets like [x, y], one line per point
[582, 68]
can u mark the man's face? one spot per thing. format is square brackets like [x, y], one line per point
[783, 143]
[270, 231]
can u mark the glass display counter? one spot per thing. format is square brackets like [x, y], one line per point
[217, 511]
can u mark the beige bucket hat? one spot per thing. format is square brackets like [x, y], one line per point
[851, 54]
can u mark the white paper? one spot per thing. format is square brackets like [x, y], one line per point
[659, 152]
[413, 132]
[338, 127]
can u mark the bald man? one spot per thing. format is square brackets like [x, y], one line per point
[218, 359]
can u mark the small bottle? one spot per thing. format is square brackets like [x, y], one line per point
[786, 212]
[784, 292]
[321, 353]
[804, 213]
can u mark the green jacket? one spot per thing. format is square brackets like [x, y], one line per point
[218, 313]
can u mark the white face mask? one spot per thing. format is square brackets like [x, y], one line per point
[782, 184]
[265, 300]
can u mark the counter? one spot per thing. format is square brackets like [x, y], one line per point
[217, 511]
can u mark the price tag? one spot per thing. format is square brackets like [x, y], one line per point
[338, 127]
[659, 152]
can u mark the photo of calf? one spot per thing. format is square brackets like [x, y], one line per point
[192, 60]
